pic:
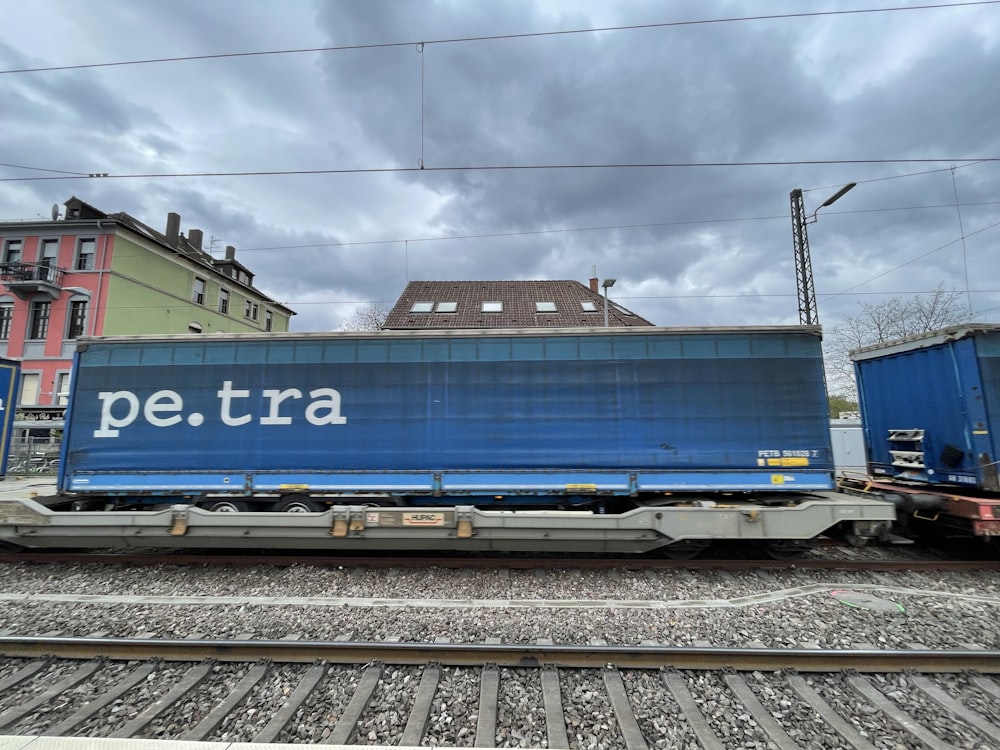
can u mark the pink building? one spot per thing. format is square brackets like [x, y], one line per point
[89, 273]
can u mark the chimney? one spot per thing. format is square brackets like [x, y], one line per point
[593, 285]
[230, 252]
[173, 228]
[194, 237]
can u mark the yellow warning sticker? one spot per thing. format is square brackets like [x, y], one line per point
[777, 479]
[788, 461]
[795, 461]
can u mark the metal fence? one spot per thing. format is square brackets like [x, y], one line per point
[30, 455]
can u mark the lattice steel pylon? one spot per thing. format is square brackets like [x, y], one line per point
[808, 312]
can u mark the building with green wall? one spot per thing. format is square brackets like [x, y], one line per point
[89, 273]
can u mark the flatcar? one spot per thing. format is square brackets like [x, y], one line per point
[930, 411]
[610, 439]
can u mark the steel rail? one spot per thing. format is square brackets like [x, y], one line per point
[507, 655]
[492, 563]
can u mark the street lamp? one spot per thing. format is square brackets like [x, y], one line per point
[808, 313]
[607, 284]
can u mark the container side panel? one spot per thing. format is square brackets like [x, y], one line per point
[986, 437]
[10, 374]
[945, 391]
[709, 402]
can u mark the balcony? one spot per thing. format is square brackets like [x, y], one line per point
[27, 279]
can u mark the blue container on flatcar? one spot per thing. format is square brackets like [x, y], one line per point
[930, 406]
[10, 375]
[447, 415]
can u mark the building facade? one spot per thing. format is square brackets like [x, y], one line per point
[88, 273]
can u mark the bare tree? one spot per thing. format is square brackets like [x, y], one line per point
[370, 317]
[892, 319]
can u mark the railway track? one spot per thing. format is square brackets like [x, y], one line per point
[487, 695]
[496, 562]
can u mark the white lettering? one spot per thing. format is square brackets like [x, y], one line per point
[163, 402]
[330, 404]
[165, 408]
[276, 397]
[226, 395]
[108, 420]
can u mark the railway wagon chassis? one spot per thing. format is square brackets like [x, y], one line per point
[680, 531]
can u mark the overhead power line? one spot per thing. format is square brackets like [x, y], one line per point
[498, 168]
[851, 289]
[43, 169]
[498, 37]
[603, 228]
[896, 176]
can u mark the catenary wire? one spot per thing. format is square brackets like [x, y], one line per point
[43, 169]
[896, 176]
[611, 227]
[502, 168]
[621, 298]
[497, 37]
[908, 262]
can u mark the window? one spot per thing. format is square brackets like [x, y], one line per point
[493, 307]
[50, 253]
[38, 322]
[447, 307]
[77, 319]
[12, 251]
[6, 316]
[588, 306]
[545, 307]
[224, 301]
[251, 310]
[194, 327]
[268, 320]
[422, 307]
[30, 386]
[61, 396]
[48, 258]
[198, 291]
[85, 250]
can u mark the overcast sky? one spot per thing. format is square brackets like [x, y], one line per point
[689, 245]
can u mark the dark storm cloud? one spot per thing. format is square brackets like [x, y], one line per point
[619, 97]
[914, 84]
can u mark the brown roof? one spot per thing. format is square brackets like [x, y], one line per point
[518, 306]
[183, 246]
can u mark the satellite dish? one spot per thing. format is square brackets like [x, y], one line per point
[55, 212]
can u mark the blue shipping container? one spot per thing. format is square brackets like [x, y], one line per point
[930, 406]
[10, 375]
[451, 413]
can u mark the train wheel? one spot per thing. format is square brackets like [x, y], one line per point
[297, 504]
[686, 550]
[227, 506]
[856, 540]
[787, 549]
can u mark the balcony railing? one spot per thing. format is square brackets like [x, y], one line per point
[31, 277]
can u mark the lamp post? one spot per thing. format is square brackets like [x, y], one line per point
[808, 313]
[607, 284]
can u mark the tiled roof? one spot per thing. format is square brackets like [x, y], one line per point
[575, 305]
